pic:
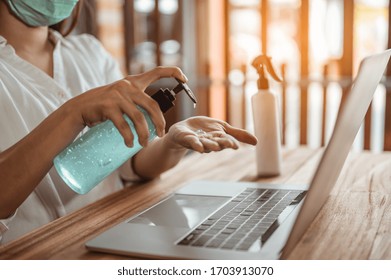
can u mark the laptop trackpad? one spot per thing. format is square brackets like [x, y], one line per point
[184, 211]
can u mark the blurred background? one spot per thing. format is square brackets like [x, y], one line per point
[315, 45]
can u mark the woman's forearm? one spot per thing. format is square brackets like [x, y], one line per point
[24, 164]
[156, 158]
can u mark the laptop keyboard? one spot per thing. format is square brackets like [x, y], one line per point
[250, 216]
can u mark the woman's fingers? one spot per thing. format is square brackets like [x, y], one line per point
[214, 126]
[240, 134]
[153, 109]
[200, 145]
[115, 101]
[145, 79]
[139, 121]
[210, 145]
[193, 142]
[216, 141]
[134, 97]
[227, 141]
[156, 115]
[207, 142]
[123, 127]
[133, 89]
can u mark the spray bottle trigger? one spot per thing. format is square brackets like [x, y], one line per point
[261, 61]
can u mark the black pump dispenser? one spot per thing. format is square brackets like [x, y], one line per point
[166, 97]
[260, 63]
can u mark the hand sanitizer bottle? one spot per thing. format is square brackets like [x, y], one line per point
[101, 150]
[266, 121]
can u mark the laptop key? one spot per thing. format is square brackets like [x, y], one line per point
[228, 245]
[215, 243]
[188, 239]
[244, 246]
[269, 231]
[202, 240]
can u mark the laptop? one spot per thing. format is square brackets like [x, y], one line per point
[244, 220]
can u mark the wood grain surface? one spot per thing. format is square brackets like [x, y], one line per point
[355, 222]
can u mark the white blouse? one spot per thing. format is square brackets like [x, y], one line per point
[28, 96]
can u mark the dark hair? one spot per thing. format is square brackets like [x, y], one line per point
[66, 26]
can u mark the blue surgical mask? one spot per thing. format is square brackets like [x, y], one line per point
[42, 12]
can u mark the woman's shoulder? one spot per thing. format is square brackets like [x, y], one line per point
[83, 39]
[86, 51]
[81, 42]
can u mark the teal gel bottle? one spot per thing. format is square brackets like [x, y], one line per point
[101, 150]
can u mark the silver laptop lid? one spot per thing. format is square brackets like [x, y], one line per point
[346, 127]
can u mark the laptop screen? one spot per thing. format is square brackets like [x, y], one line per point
[346, 128]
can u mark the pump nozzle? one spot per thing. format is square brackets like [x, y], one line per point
[183, 86]
[166, 97]
[259, 63]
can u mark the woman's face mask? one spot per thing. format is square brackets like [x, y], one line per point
[42, 12]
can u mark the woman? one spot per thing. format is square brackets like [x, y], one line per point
[51, 88]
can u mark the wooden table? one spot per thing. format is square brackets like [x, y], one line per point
[355, 222]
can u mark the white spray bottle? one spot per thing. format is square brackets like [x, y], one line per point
[266, 121]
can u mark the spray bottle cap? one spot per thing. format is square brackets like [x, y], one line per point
[166, 97]
[259, 63]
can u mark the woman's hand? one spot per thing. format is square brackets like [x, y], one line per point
[119, 98]
[204, 134]
[201, 134]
